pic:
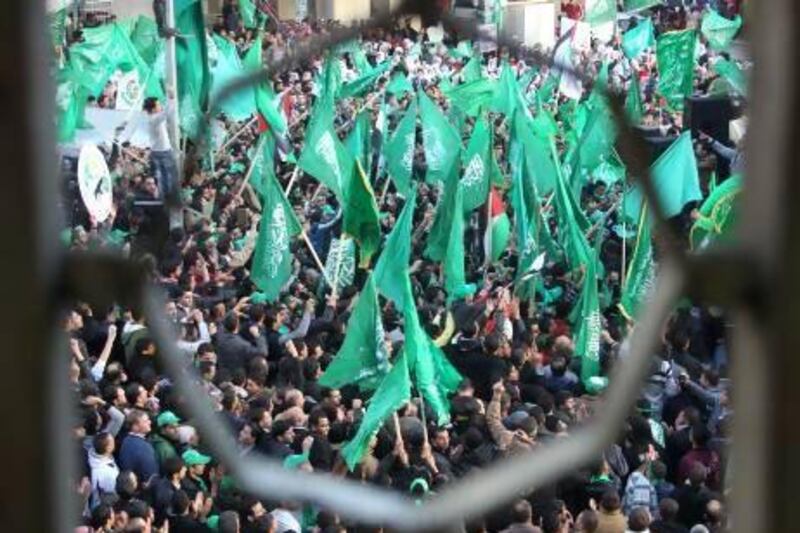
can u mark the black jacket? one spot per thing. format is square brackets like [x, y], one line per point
[235, 352]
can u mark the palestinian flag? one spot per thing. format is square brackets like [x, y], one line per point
[498, 229]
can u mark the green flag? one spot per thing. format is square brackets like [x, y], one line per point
[358, 141]
[601, 11]
[439, 234]
[597, 138]
[674, 177]
[399, 151]
[393, 392]
[572, 234]
[633, 101]
[391, 269]
[477, 165]
[362, 360]
[340, 265]
[638, 5]
[251, 17]
[473, 96]
[641, 271]
[434, 376]
[506, 93]
[361, 218]
[537, 154]
[525, 230]
[717, 214]
[194, 77]
[454, 279]
[365, 81]
[638, 39]
[589, 328]
[145, 39]
[399, 85]
[71, 99]
[472, 70]
[263, 163]
[675, 57]
[733, 75]
[226, 67]
[104, 50]
[719, 31]
[440, 140]
[272, 258]
[323, 155]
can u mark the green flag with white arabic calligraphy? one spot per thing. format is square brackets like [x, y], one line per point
[399, 151]
[477, 165]
[272, 258]
[440, 140]
[675, 58]
[323, 155]
[641, 271]
[589, 328]
[439, 234]
[340, 266]
[717, 219]
[363, 359]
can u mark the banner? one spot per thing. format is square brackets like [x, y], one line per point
[675, 55]
[94, 182]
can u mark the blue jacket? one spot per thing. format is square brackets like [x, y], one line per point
[139, 456]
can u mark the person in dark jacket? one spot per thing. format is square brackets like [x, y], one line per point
[278, 445]
[164, 488]
[137, 453]
[668, 518]
[322, 454]
[233, 351]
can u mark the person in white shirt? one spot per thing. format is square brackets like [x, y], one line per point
[162, 157]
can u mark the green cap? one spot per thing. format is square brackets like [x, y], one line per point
[193, 457]
[213, 522]
[167, 418]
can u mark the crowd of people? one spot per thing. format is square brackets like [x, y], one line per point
[143, 465]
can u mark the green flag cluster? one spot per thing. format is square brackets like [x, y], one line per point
[226, 66]
[638, 5]
[391, 269]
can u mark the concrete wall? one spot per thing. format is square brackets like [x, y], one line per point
[344, 10]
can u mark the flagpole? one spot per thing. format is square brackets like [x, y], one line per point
[171, 66]
[423, 417]
[250, 170]
[488, 235]
[624, 269]
[289, 186]
[316, 257]
[236, 135]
